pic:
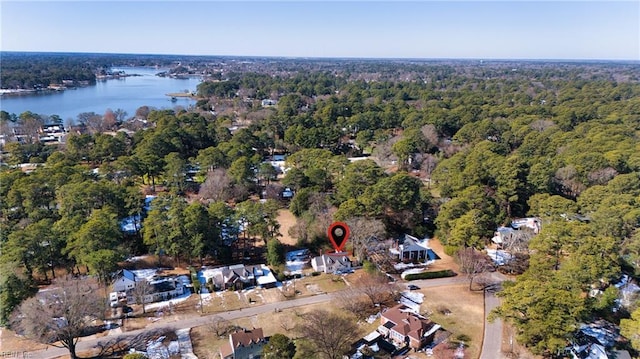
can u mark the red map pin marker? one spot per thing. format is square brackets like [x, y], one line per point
[338, 235]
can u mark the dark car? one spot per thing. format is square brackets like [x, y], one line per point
[413, 287]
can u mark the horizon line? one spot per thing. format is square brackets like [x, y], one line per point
[288, 57]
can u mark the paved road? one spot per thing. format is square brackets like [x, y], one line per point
[192, 321]
[197, 320]
[439, 282]
[492, 341]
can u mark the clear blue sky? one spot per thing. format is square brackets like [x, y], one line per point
[387, 29]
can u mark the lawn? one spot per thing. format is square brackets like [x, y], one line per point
[206, 344]
[458, 311]
[465, 319]
[223, 301]
[10, 342]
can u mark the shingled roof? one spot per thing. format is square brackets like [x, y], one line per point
[240, 338]
[407, 323]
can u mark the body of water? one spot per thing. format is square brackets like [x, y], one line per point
[127, 93]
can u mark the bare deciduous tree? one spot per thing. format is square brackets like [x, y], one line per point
[353, 301]
[473, 263]
[602, 176]
[427, 165]
[29, 126]
[118, 345]
[300, 230]
[120, 114]
[143, 112]
[430, 134]
[518, 241]
[93, 122]
[287, 323]
[109, 120]
[218, 325]
[140, 291]
[216, 186]
[567, 179]
[60, 316]
[541, 125]
[363, 233]
[377, 288]
[330, 334]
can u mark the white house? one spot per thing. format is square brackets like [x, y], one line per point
[331, 262]
[532, 223]
[504, 234]
[163, 289]
[411, 249]
[125, 281]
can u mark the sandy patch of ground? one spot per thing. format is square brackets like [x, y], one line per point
[445, 261]
[286, 220]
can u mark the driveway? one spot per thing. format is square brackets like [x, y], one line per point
[492, 341]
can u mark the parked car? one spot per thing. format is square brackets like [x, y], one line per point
[413, 287]
[344, 271]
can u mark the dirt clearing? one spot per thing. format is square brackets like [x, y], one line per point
[286, 220]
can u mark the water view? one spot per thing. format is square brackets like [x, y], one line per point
[127, 93]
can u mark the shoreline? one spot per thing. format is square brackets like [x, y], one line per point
[25, 92]
[190, 95]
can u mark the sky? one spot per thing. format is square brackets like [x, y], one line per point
[580, 30]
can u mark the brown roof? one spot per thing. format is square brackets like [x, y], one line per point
[407, 323]
[246, 337]
[226, 350]
[241, 338]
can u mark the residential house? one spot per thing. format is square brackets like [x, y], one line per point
[51, 133]
[239, 276]
[278, 162]
[331, 262]
[296, 262]
[403, 326]
[596, 341]
[244, 344]
[533, 223]
[502, 234]
[411, 249]
[125, 280]
[374, 343]
[163, 288]
[505, 234]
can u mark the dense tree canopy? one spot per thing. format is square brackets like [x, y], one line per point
[454, 149]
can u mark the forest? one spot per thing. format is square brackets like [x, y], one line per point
[454, 150]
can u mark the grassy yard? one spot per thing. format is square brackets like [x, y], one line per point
[465, 319]
[206, 344]
[460, 312]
